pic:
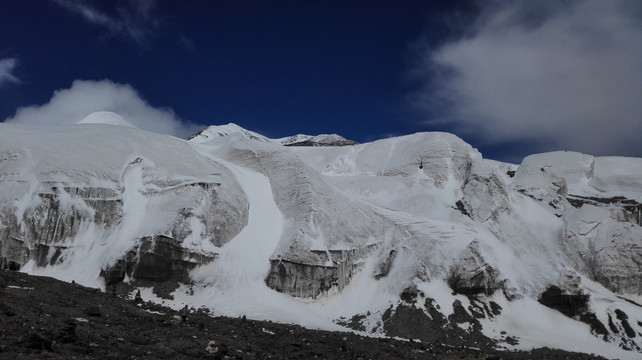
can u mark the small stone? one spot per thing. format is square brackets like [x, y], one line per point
[94, 310]
[37, 342]
[175, 320]
[138, 299]
[79, 349]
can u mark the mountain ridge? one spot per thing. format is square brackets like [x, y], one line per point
[369, 232]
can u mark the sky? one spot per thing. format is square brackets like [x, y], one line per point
[509, 77]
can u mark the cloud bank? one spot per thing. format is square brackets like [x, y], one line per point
[562, 75]
[69, 106]
[7, 66]
[134, 20]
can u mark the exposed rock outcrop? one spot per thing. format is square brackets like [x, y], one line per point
[418, 316]
[567, 297]
[474, 274]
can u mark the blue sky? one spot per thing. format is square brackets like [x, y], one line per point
[509, 77]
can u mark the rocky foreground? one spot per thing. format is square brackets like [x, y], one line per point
[41, 317]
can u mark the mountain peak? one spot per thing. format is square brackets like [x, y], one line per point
[105, 117]
[215, 131]
[318, 140]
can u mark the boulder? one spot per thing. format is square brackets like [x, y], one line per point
[474, 274]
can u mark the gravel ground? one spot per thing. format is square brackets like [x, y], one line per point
[41, 317]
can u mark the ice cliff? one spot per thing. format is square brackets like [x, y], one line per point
[93, 196]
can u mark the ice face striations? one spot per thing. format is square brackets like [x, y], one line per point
[373, 235]
[92, 197]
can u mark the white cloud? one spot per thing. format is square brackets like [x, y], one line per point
[188, 43]
[69, 106]
[135, 20]
[566, 75]
[7, 66]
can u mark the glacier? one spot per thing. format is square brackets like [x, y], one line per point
[402, 236]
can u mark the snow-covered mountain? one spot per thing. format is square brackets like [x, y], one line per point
[402, 237]
[317, 140]
[214, 132]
